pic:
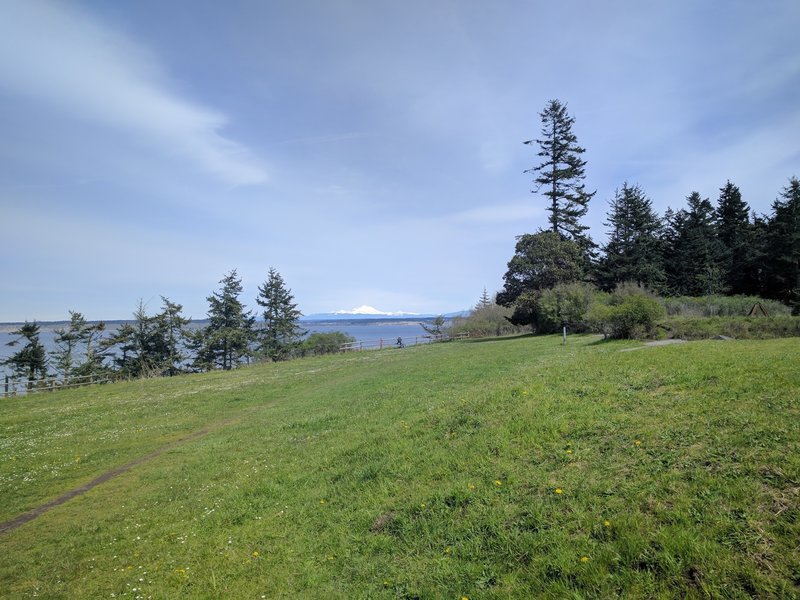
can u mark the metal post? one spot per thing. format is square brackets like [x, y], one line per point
[565, 335]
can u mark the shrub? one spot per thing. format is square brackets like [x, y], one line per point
[635, 317]
[486, 321]
[631, 312]
[324, 343]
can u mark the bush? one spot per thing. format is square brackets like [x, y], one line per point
[635, 317]
[630, 312]
[324, 343]
[486, 321]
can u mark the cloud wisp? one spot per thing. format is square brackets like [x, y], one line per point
[55, 54]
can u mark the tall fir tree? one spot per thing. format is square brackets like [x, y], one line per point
[693, 250]
[783, 239]
[281, 331]
[734, 232]
[560, 175]
[172, 333]
[633, 252]
[226, 340]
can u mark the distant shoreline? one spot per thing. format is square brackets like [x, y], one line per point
[52, 325]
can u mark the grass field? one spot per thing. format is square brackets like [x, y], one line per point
[512, 468]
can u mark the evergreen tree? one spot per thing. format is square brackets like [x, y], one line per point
[633, 252]
[783, 239]
[485, 301]
[281, 331]
[66, 342]
[140, 347]
[227, 338]
[78, 350]
[694, 253]
[30, 361]
[171, 329]
[734, 231]
[560, 175]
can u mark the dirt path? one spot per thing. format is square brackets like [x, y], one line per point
[79, 491]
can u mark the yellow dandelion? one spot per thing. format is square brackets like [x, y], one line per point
[422, 505]
[497, 482]
[322, 501]
[584, 559]
[569, 451]
[331, 557]
[638, 442]
[447, 550]
[606, 523]
[471, 486]
[559, 491]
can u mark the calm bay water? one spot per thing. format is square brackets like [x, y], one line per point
[368, 331]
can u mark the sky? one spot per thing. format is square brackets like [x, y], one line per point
[369, 150]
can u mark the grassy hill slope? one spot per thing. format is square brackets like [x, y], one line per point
[508, 468]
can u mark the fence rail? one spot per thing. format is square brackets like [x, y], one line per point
[15, 387]
[400, 342]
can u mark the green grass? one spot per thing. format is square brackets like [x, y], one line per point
[430, 472]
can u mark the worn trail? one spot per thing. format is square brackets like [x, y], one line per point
[32, 514]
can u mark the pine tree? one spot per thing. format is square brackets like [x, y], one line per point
[694, 253]
[633, 252]
[734, 231]
[78, 348]
[281, 331]
[227, 338]
[485, 301]
[784, 246]
[140, 348]
[171, 328]
[30, 361]
[560, 176]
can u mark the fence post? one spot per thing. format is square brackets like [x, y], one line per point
[381, 344]
[6, 385]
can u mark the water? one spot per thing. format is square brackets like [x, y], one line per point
[370, 333]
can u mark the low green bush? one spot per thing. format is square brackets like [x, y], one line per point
[486, 321]
[324, 343]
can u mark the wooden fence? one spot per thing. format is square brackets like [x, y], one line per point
[382, 343]
[15, 387]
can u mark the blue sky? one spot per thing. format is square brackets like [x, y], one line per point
[371, 151]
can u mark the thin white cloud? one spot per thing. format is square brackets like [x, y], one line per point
[58, 55]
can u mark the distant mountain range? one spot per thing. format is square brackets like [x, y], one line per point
[368, 312]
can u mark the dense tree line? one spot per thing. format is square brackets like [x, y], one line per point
[704, 248]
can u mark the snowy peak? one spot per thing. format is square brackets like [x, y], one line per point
[372, 311]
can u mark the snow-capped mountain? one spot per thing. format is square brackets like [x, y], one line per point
[370, 312]
[374, 312]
